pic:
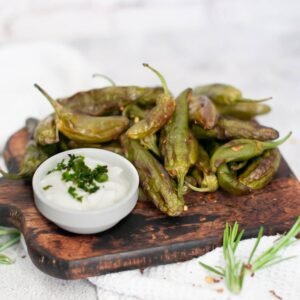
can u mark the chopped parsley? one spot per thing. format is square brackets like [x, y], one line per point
[47, 187]
[80, 175]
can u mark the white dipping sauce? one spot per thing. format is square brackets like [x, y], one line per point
[109, 193]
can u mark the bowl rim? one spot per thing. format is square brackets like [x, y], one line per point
[85, 151]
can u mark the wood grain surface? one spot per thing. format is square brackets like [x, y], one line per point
[146, 237]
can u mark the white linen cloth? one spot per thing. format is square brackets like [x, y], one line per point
[188, 280]
[62, 71]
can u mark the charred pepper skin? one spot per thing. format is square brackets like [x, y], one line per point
[261, 170]
[208, 182]
[244, 110]
[241, 149]
[154, 179]
[85, 128]
[203, 112]
[98, 102]
[229, 182]
[177, 143]
[158, 116]
[223, 94]
[231, 128]
[34, 156]
[46, 132]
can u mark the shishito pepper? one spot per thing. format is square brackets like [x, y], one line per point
[244, 110]
[241, 149]
[46, 132]
[261, 170]
[150, 143]
[177, 142]
[221, 93]
[258, 173]
[134, 112]
[158, 116]
[231, 128]
[229, 181]
[203, 111]
[154, 179]
[34, 156]
[206, 179]
[85, 128]
[98, 102]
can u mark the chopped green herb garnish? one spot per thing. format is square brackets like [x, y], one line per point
[47, 187]
[72, 191]
[76, 171]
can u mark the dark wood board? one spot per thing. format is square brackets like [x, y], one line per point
[146, 237]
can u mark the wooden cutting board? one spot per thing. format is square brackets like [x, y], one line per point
[146, 237]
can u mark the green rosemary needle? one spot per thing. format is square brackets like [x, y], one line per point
[235, 269]
[15, 238]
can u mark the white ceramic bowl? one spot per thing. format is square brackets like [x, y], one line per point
[87, 222]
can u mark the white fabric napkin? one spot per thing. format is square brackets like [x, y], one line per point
[188, 280]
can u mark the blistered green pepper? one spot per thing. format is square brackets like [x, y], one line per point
[221, 93]
[150, 143]
[158, 116]
[85, 128]
[176, 141]
[134, 112]
[33, 157]
[241, 149]
[46, 131]
[98, 102]
[154, 179]
[244, 109]
[203, 112]
[261, 170]
[209, 182]
[229, 182]
[229, 128]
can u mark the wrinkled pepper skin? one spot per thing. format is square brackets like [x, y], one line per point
[219, 93]
[150, 143]
[85, 128]
[229, 182]
[155, 181]
[229, 128]
[208, 181]
[241, 149]
[46, 132]
[203, 112]
[134, 112]
[262, 170]
[34, 156]
[234, 128]
[177, 143]
[244, 110]
[157, 117]
[98, 102]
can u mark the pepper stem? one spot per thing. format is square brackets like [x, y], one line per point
[197, 189]
[162, 79]
[105, 77]
[53, 103]
[271, 145]
[253, 100]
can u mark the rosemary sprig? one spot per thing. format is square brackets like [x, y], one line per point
[14, 238]
[235, 269]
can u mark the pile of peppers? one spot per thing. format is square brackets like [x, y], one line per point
[204, 139]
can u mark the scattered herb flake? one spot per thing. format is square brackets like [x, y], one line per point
[47, 187]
